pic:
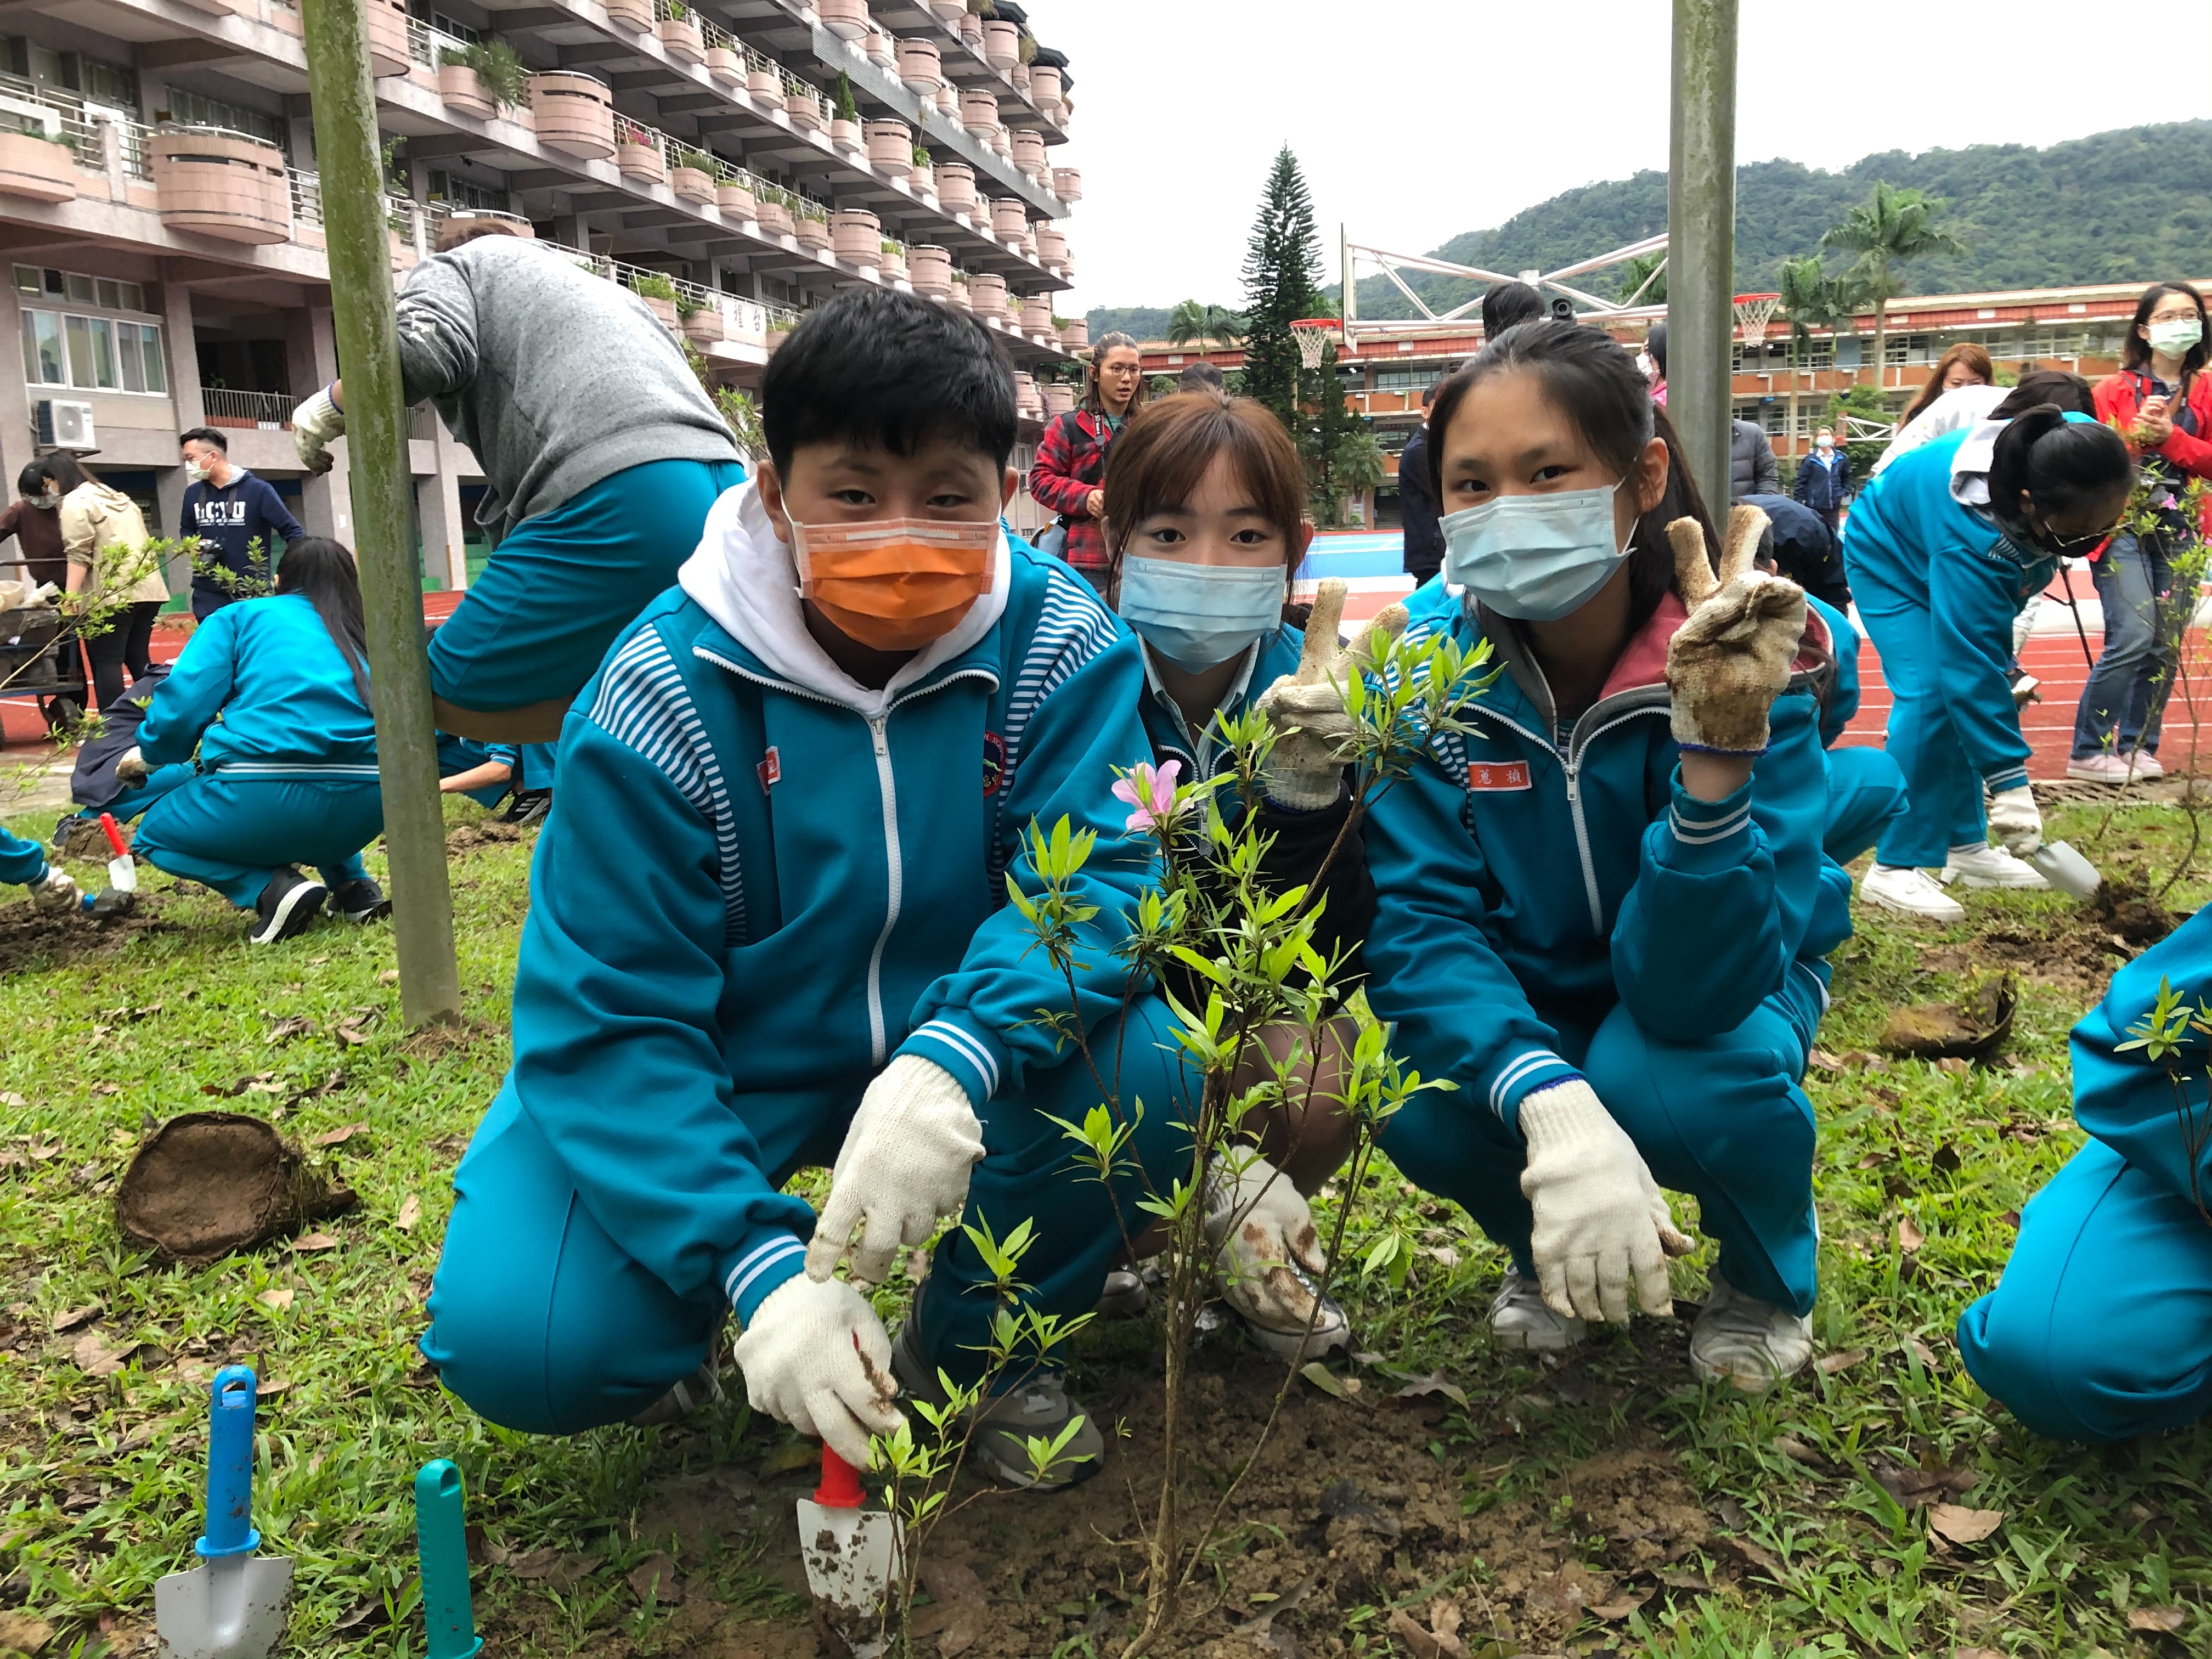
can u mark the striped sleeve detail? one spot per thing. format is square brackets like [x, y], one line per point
[760, 1270]
[1695, 828]
[1072, 627]
[971, 1057]
[2013, 777]
[1521, 1076]
[643, 703]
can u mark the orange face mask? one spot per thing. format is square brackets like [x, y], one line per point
[896, 584]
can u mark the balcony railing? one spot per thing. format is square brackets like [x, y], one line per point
[307, 198]
[271, 410]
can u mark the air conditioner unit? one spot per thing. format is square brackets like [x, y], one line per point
[65, 425]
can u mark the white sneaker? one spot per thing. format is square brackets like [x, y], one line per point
[2145, 764]
[1747, 1343]
[1914, 893]
[2102, 768]
[1520, 1318]
[1993, 867]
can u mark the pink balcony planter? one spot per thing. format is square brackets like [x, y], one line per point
[1019, 75]
[979, 113]
[459, 86]
[846, 134]
[693, 185]
[856, 236]
[1059, 400]
[1051, 245]
[1074, 336]
[924, 182]
[971, 31]
[812, 233]
[948, 100]
[764, 84]
[1036, 316]
[635, 15]
[1067, 184]
[956, 297]
[1002, 45]
[735, 201]
[1044, 87]
[891, 145]
[726, 64]
[987, 294]
[1029, 153]
[805, 109]
[949, 12]
[883, 51]
[33, 167]
[387, 38]
[921, 67]
[704, 326]
[772, 218]
[1001, 141]
[955, 186]
[847, 18]
[1010, 218]
[664, 309]
[893, 265]
[929, 268]
[574, 115]
[645, 161]
[231, 188]
[680, 38]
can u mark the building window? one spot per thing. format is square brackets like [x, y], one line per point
[457, 192]
[93, 354]
[197, 110]
[1404, 380]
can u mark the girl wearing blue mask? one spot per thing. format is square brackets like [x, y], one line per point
[1205, 501]
[1602, 912]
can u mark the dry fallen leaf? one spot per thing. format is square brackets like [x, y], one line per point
[1956, 1065]
[1828, 1062]
[1829, 1364]
[76, 1316]
[411, 1211]
[533, 1564]
[1329, 1383]
[1621, 1606]
[2164, 1620]
[1754, 1555]
[285, 1029]
[1958, 1525]
[654, 1579]
[46, 1150]
[389, 977]
[338, 1136]
[1434, 1384]
[1909, 1237]
[279, 1300]
[21, 1633]
[11, 1098]
[1425, 1644]
[314, 1242]
[1926, 1354]
[95, 1358]
[1797, 1451]
[352, 1035]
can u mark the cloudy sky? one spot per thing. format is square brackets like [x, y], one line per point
[1417, 119]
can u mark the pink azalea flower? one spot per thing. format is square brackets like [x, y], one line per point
[1150, 790]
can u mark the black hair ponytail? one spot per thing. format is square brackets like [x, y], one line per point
[2056, 465]
[321, 571]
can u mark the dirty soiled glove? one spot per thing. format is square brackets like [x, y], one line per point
[1600, 1220]
[1305, 768]
[815, 1356]
[1729, 662]
[903, 1167]
[316, 424]
[2017, 821]
[1259, 1227]
[132, 767]
[54, 892]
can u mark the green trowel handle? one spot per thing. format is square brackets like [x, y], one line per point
[440, 1537]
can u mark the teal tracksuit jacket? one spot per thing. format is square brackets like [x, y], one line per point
[1866, 791]
[1939, 586]
[762, 883]
[2101, 1327]
[1552, 904]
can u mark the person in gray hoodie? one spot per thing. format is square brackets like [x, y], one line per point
[601, 451]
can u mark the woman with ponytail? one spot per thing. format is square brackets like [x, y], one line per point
[1592, 915]
[274, 695]
[1943, 550]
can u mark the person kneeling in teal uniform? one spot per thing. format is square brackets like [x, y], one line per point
[484, 772]
[274, 695]
[2101, 1327]
[768, 929]
[1601, 913]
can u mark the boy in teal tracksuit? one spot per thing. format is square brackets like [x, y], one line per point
[1553, 906]
[768, 929]
[1866, 790]
[484, 772]
[2101, 1327]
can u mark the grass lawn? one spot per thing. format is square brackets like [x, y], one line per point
[1608, 1504]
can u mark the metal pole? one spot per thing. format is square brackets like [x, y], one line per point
[359, 252]
[1701, 239]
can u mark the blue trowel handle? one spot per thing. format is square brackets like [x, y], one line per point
[230, 1466]
[442, 1536]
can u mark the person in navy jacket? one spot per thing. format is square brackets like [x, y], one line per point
[240, 522]
[1602, 912]
[768, 929]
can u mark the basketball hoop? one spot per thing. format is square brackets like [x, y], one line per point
[1314, 335]
[1753, 312]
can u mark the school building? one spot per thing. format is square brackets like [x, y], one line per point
[1785, 389]
[735, 161]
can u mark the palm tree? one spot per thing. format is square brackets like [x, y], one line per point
[1889, 227]
[1644, 279]
[1192, 320]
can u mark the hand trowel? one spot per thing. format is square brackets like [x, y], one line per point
[122, 869]
[851, 1555]
[441, 1540]
[232, 1605]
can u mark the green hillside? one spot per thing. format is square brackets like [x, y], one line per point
[1138, 322]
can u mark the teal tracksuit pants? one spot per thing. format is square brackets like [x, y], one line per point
[1944, 805]
[232, 833]
[1724, 1119]
[542, 1323]
[2101, 1327]
[21, 861]
[533, 626]
[1866, 795]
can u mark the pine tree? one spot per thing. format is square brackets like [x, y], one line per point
[1282, 283]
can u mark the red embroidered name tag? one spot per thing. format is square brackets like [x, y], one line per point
[770, 769]
[1498, 776]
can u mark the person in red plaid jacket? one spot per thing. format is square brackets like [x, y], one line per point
[1071, 460]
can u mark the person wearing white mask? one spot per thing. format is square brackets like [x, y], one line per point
[242, 524]
[1592, 915]
[1205, 499]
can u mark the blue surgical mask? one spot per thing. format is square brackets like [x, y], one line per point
[1197, 616]
[1535, 558]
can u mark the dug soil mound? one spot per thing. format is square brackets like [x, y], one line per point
[30, 939]
[490, 832]
[2078, 947]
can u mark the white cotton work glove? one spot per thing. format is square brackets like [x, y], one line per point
[815, 1356]
[316, 424]
[1600, 1220]
[1730, 660]
[1259, 1227]
[2017, 820]
[1305, 768]
[55, 891]
[132, 767]
[902, 1168]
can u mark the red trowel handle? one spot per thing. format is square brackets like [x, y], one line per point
[114, 835]
[840, 1483]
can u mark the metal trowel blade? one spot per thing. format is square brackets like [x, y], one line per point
[851, 1556]
[223, 1609]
